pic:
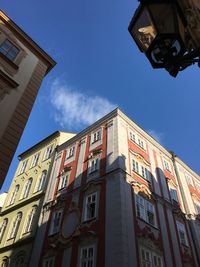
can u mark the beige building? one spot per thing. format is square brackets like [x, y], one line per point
[23, 65]
[21, 210]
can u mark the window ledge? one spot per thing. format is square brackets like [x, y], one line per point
[10, 62]
[150, 225]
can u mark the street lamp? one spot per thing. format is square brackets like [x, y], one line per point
[158, 28]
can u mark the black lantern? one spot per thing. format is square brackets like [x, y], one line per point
[158, 29]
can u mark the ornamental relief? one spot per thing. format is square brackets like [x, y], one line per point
[142, 189]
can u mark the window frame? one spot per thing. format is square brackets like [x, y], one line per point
[7, 52]
[48, 152]
[15, 225]
[23, 166]
[96, 136]
[35, 160]
[152, 254]
[27, 188]
[83, 261]
[93, 167]
[143, 207]
[141, 170]
[181, 228]
[49, 261]
[14, 195]
[3, 226]
[42, 181]
[30, 220]
[64, 177]
[54, 229]
[86, 209]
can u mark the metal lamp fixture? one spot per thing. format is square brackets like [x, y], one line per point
[158, 28]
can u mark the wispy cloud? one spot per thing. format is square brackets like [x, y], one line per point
[74, 109]
[156, 135]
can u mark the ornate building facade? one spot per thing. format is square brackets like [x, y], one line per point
[116, 197]
[23, 65]
[21, 210]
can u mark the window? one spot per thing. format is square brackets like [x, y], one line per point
[48, 262]
[140, 143]
[48, 152]
[63, 181]
[87, 257]
[19, 261]
[189, 180]
[132, 136]
[14, 195]
[198, 207]
[35, 160]
[93, 165]
[5, 262]
[15, 225]
[3, 228]
[42, 181]
[150, 258]
[96, 136]
[141, 170]
[167, 166]
[27, 188]
[9, 50]
[90, 206]
[70, 152]
[198, 187]
[182, 233]
[174, 194]
[23, 167]
[145, 210]
[30, 220]
[55, 222]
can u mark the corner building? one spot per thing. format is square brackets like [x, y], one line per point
[23, 65]
[117, 198]
[21, 210]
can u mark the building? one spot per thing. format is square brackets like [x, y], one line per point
[117, 198]
[20, 213]
[23, 65]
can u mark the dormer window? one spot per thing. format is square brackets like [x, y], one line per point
[9, 50]
[96, 136]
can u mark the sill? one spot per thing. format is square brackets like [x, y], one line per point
[93, 142]
[137, 145]
[10, 62]
[141, 176]
[149, 224]
[86, 221]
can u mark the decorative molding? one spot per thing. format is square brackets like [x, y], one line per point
[142, 189]
[140, 158]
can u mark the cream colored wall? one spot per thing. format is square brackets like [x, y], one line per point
[22, 77]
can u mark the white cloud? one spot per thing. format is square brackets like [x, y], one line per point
[74, 109]
[156, 135]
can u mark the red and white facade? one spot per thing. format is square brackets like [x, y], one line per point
[117, 198]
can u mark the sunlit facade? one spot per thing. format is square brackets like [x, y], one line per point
[116, 197]
[21, 210]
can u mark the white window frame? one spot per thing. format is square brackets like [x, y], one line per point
[15, 225]
[48, 261]
[87, 202]
[144, 209]
[56, 222]
[167, 165]
[181, 230]
[27, 188]
[23, 166]
[48, 152]
[189, 180]
[96, 136]
[140, 169]
[132, 136]
[93, 165]
[42, 181]
[30, 220]
[149, 262]
[64, 181]
[70, 152]
[174, 194]
[3, 228]
[87, 261]
[35, 160]
[14, 195]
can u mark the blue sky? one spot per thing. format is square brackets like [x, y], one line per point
[98, 68]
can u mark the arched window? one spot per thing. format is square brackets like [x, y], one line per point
[15, 225]
[4, 262]
[19, 261]
[27, 188]
[3, 228]
[14, 195]
[42, 181]
[31, 220]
